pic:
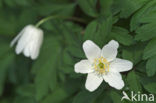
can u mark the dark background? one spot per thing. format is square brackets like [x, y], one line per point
[51, 78]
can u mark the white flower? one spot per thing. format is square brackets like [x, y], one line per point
[29, 41]
[102, 65]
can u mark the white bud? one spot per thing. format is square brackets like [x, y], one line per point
[29, 41]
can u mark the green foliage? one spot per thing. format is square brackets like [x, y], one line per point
[98, 30]
[46, 74]
[51, 78]
[88, 7]
[144, 15]
[133, 53]
[115, 97]
[7, 59]
[150, 49]
[151, 87]
[150, 66]
[122, 35]
[130, 6]
[85, 96]
[133, 82]
[56, 97]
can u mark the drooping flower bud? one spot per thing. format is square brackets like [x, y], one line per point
[29, 41]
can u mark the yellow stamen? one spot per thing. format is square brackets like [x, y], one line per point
[101, 65]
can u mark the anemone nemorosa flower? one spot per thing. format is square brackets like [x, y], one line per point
[102, 65]
[29, 41]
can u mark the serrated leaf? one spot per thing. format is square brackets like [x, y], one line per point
[115, 97]
[56, 97]
[4, 46]
[151, 87]
[45, 67]
[21, 99]
[9, 3]
[6, 60]
[26, 90]
[55, 8]
[141, 16]
[8, 25]
[105, 7]
[104, 99]
[67, 58]
[67, 64]
[146, 32]
[23, 2]
[86, 96]
[133, 82]
[122, 36]
[150, 49]
[98, 30]
[130, 6]
[76, 51]
[151, 66]
[88, 7]
[133, 53]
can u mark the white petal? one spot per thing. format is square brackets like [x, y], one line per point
[114, 80]
[121, 65]
[36, 45]
[27, 51]
[109, 51]
[84, 66]
[93, 82]
[24, 39]
[91, 50]
[17, 37]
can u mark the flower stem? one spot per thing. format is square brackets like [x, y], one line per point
[60, 17]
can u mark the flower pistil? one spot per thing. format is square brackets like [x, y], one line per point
[101, 66]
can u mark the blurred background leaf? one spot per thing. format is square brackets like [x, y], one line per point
[51, 78]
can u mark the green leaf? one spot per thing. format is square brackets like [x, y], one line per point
[23, 2]
[146, 32]
[76, 51]
[88, 7]
[4, 46]
[5, 100]
[133, 82]
[21, 99]
[141, 67]
[26, 90]
[1, 3]
[98, 30]
[9, 3]
[56, 97]
[130, 6]
[71, 36]
[86, 96]
[67, 62]
[144, 15]
[151, 66]
[104, 98]
[151, 87]
[45, 67]
[8, 25]
[67, 58]
[122, 36]
[105, 7]
[30, 18]
[6, 60]
[133, 53]
[115, 97]
[54, 8]
[150, 49]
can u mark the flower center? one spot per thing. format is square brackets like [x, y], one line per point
[101, 66]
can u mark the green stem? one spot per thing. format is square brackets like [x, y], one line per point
[59, 17]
